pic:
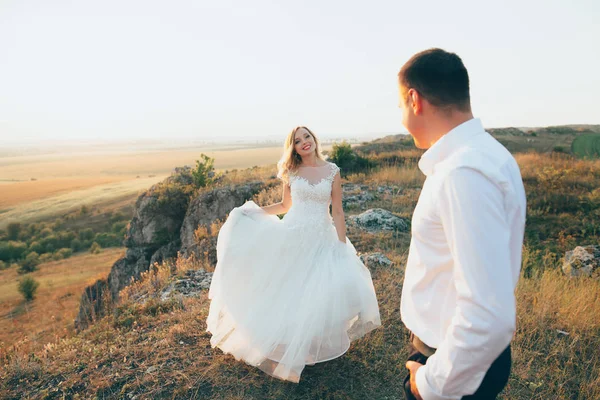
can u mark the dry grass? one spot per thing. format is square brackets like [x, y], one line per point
[100, 195]
[163, 351]
[50, 315]
[556, 347]
[400, 175]
[12, 194]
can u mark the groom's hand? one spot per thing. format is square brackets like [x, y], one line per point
[413, 367]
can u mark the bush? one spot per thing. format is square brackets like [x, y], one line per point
[64, 253]
[348, 161]
[108, 240]
[119, 228]
[27, 287]
[86, 234]
[76, 245]
[559, 149]
[44, 258]
[37, 247]
[13, 230]
[204, 172]
[95, 248]
[3, 265]
[30, 263]
[12, 250]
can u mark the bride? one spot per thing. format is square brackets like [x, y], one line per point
[292, 292]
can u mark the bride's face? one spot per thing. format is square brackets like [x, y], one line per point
[304, 143]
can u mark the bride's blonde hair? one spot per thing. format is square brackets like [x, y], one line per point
[291, 160]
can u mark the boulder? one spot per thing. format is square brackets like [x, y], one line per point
[582, 261]
[208, 208]
[378, 220]
[375, 260]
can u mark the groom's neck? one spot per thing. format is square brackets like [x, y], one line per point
[444, 122]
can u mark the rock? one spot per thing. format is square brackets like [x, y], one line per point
[387, 189]
[378, 220]
[194, 282]
[582, 261]
[374, 260]
[166, 252]
[136, 261]
[157, 231]
[357, 199]
[92, 303]
[149, 227]
[210, 207]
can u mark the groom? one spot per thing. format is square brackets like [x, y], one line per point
[458, 297]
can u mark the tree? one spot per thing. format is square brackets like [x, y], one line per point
[95, 248]
[345, 158]
[13, 230]
[27, 287]
[204, 172]
[30, 263]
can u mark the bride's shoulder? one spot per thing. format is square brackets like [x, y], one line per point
[334, 168]
[332, 165]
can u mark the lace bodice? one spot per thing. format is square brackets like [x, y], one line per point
[311, 195]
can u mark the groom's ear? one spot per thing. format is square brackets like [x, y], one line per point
[415, 102]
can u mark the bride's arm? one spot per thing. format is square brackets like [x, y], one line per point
[337, 211]
[284, 205]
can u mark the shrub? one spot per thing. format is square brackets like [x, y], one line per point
[3, 265]
[348, 161]
[108, 240]
[13, 230]
[44, 258]
[86, 234]
[204, 172]
[12, 250]
[27, 287]
[76, 245]
[64, 253]
[37, 247]
[119, 227]
[95, 248]
[30, 263]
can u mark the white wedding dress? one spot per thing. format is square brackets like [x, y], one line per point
[287, 293]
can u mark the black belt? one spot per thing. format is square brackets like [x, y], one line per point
[420, 346]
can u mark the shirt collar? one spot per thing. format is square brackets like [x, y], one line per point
[448, 143]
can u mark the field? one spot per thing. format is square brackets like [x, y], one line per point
[587, 146]
[51, 314]
[66, 181]
[166, 352]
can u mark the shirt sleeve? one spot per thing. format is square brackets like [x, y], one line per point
[476, 227]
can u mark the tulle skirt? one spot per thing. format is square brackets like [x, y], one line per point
[283, 297]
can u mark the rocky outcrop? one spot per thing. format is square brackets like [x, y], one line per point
[163, 226]
[378, 220]
[582, 261]
[191, 285]
[375, 260]
[208, 208]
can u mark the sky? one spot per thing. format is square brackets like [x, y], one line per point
[113, 70]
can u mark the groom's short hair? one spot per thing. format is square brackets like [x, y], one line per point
[440, 78]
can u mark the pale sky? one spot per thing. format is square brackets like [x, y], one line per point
[119, 69]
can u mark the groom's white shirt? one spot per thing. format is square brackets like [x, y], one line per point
[464, 259]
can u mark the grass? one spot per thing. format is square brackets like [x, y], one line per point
[164, 351]
[67, 181]
[587, 146]
[50, 316]
[101, 195]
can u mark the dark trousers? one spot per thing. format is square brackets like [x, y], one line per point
[493, 382]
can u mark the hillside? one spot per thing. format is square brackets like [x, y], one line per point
[153, 344]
